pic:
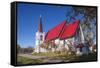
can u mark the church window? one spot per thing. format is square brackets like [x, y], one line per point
[41, 37]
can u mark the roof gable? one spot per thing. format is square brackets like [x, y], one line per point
[62, 31]
[69, 30]
[55, 32]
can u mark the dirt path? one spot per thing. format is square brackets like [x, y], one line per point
[44, 58]
[32, 57]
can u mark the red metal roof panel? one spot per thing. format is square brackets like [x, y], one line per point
[69, 30]
[55, 32]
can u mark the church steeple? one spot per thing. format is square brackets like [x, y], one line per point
[40, 25]
[39, 36]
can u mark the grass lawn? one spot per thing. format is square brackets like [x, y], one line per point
[56, 56]
[72, 58]
[51, 54]
[24, 60]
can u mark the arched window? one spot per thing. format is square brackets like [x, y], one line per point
[41, 37]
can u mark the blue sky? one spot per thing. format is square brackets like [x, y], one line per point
[28, 16]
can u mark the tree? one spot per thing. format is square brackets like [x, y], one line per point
[87, 17]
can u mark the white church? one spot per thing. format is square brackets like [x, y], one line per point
[63, 36]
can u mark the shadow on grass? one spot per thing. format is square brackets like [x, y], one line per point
[85, 58]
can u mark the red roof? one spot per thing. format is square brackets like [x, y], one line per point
[62, 31]
[55, 32]
[69, 30]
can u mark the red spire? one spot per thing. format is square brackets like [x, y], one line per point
[40, 25]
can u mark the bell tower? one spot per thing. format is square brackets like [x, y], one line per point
[39, 36]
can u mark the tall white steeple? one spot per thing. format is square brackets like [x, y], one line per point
[39, 36]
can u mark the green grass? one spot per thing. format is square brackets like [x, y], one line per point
[56, 55]
[50, 54]
[65, 56]
[24, 60]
